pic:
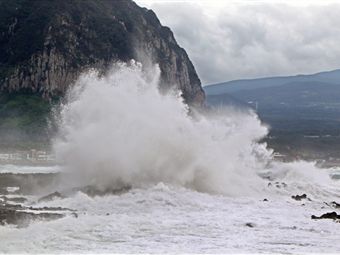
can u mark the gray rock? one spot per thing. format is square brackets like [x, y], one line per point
[14, 199]
[93, 191]
[300, 197]
[250, 225]
[46, 45]
[51, 196]
[329, 215]
[15, 214]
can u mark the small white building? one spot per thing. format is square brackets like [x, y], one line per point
[4, 156]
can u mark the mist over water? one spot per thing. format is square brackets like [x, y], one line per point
[118, 130]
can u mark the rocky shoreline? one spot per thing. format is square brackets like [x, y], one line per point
[21, 216]
[15, 207]
[18, 208]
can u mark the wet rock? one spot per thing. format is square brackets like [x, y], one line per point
[301, 197]
[13, 199]
[16, 215]
[329, 215]
[93, 191]
[332, 204]
[11, 206]
[335, 204]
[126, 31]
[51, 196]
[250, 225]
[46, 208]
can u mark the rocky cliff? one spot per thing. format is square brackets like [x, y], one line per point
[45, 44]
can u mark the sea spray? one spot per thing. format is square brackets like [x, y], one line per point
[118, 130]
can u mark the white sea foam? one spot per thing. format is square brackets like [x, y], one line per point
[166, 219]
[120, 130]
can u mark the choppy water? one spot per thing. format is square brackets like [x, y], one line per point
[196, 179]
[173, 219]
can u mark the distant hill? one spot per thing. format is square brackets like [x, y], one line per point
[332, 77]
[315, 96]
[293, 95]
[303, 111]
[296, 102]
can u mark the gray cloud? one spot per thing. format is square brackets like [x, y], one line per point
[255, 40]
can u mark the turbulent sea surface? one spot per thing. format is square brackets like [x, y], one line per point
[165, 218]
[137, 173]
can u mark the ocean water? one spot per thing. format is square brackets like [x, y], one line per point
[170, 219]
[200, 183]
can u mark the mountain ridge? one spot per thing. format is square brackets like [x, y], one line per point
[47, 44]
[302, 111]
[332, 76]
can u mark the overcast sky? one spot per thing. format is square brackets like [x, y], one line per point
[229, 40]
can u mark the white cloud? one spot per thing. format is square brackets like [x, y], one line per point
[244, 39]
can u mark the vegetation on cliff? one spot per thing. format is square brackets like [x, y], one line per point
[46, 44]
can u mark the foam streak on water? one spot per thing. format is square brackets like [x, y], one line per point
[22, 169]
[165, 219]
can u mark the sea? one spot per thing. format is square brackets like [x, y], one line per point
[138, 172]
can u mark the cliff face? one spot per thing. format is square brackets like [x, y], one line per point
[46, 44]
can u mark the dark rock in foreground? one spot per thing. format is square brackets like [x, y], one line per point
[15, 210]
[20, 216]
[329, 215]
[300, 197]
[14, 199]
[250, 225]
